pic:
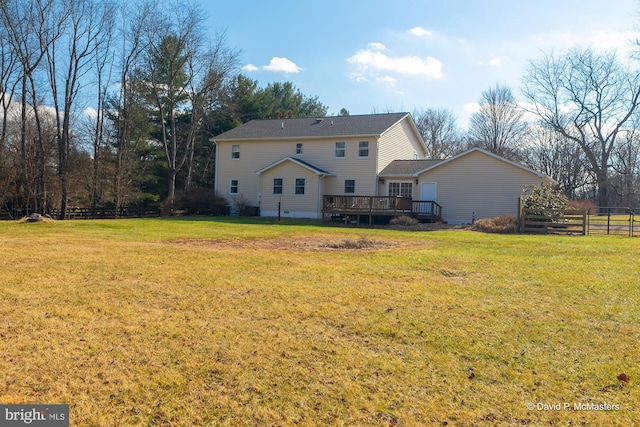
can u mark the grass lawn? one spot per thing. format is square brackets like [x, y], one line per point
[231, 322]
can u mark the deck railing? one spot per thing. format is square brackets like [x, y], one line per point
[381, 205]
[366, 203]
[426, 208]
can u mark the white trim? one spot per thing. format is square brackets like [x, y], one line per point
[237, 186]
[368, 148]
[295, 187]
[273, 187]
[401, 181]
[234, 152]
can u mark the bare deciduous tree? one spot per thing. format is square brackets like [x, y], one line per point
[559, 158]
[84, 23]
[210, 71]
[588, 98]
[440, 132]
[499, 126]
[124, 108]
[31, 29]
[625, 180]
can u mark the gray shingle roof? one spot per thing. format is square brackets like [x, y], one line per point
[371, 124]
[407, 167]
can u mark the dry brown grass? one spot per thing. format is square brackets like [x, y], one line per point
[500, 224]
[196, 323]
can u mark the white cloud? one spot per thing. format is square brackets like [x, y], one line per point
[613, 40]
[282, 65]
[421, 32]
[377, 46]
[471, 107]
[372, 60]
[600, 40]
[387, 81]
[250, 68]
[495, 62]
[276, 65]
[359, 77]
[90, 112]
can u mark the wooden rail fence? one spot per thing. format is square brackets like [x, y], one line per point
[553, 221]
[105, 213]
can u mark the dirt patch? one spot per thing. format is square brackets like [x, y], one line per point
[302, 243]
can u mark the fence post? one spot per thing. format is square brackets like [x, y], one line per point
[584, 223]
[520, 217]
[608, 220]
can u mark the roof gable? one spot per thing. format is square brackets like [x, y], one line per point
[488, 153]
[301, 163]
[338, 126]
[414, 168]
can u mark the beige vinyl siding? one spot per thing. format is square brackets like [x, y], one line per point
[291, 204]
[477, 185]
[399, 143]
[255, 155]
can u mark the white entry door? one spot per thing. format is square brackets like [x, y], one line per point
[428, 192]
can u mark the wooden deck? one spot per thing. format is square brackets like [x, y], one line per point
[355, 207]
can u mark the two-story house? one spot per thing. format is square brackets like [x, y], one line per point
[359, 165]
[285, 166]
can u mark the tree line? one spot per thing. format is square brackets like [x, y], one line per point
[578, 124]
[112, 104]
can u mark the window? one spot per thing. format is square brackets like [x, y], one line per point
[299, 186]
[349, 185]
[340, 149]
[235, 151]
[233, 186]
[277, 185]
[299, 148]
[363, 148]
[403, 189]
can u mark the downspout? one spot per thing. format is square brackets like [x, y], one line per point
[377, 177]
[215, 175]
[260, 193]
[319, 204]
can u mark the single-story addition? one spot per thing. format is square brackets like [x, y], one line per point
[472, 185]
[348, 166]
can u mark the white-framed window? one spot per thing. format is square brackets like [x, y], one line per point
[403, 189]
[300, 183]
[349, 186]
[341, 149]
[299, 149]
[363, 148]
[235, 152]
[277, 185]
[234, 186]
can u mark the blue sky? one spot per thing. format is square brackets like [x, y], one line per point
[378, 56]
